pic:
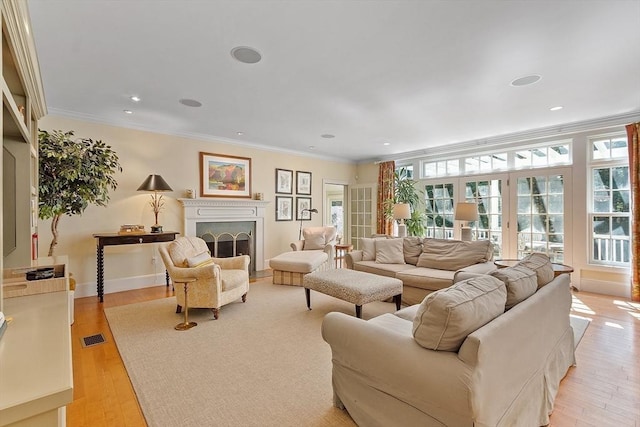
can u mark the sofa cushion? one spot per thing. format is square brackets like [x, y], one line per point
[412, 248]
[520, 281]
[541, 264]
[446, 317]
[454, 254]
[426, 278]
[368, 247]
[389, 270]
[389, 251]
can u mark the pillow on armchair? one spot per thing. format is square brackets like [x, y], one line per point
[318, 237]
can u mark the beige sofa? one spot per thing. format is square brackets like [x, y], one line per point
[423, 265]
[457, 359]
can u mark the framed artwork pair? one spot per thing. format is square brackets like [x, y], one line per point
[284, 182]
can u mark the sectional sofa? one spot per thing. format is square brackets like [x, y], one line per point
[424, 265]
[490, 350]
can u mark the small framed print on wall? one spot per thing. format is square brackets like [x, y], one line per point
[284, 208]
[284, 181]
[303, 183]
[303, 206]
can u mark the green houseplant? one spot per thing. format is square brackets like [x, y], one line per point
[405, 191]
[74, 172]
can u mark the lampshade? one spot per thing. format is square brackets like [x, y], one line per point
[154, 183]
[466, 211]
[401, 211]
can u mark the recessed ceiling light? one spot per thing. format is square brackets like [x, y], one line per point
[239, 133]
[327, 136]
[128, 111]
[559, 107]
[386, 143]
[526, 80]
[135, 98]
[312, 147]
[247, 55]
[190, 102]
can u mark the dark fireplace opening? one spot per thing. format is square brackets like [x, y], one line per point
[227, 239]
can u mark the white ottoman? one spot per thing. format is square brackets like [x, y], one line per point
[356, 287]
[290, 268]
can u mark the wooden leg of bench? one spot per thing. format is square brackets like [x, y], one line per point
[359, 311]
[397, 299]
[307, 293]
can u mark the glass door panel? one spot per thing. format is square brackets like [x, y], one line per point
[439, 210]
[488, 193]
[541, 207]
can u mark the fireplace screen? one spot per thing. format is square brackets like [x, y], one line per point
[227, 239]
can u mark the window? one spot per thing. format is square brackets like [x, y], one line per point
[487, 194]
[609, 211]
[439, 210]
[554, 154]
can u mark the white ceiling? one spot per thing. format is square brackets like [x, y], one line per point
[415, 74]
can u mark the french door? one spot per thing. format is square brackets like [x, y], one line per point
[520, 212]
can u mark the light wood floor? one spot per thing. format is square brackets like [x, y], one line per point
[602, 390]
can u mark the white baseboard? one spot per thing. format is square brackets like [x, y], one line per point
[618, 289]
[119, 285]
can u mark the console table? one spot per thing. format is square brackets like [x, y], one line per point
[107, 239]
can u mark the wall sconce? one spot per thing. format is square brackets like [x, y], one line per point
[156, 184]
[314, 210]
[402, 211]
[466, 211]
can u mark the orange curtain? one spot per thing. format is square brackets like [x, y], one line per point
[633, 130]
[385, 193]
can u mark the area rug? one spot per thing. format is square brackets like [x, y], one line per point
[262, 363]
[579, 325]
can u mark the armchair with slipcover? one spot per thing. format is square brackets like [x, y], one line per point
[219, 281]
[315, 252]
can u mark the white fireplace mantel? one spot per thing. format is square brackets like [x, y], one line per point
[227, 210]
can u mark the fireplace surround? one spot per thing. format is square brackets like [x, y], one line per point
[197, 211]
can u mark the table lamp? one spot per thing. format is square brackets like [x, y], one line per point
[156, 184]
[314, 210]
[402, 211]
[466, 211]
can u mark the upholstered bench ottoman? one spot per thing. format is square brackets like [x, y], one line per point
[290, 268]
[356, 287]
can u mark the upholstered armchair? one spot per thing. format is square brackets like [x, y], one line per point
[219, 281]
[317, 238]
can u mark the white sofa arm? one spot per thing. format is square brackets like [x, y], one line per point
[351, 257]
[392, 363]
[297, 245]
[474, 271]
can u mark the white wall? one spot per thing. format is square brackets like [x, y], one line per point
[177, 160]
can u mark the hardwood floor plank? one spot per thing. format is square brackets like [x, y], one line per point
[602, 390]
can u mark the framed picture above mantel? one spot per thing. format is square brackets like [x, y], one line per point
[225, 176]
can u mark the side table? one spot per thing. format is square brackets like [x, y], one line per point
[186, 324]
[558, 269]
[341, 251]
[108, 239]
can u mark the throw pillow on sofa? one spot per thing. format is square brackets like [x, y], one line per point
[389, 251]
[541, 264]
[454, 254]
[412, 247]
[368, 247]
[446, 317]
[520, 281]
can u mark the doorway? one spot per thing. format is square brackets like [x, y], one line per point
[335, 207]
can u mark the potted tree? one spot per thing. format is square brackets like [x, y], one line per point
[74, 172]
[405, 191]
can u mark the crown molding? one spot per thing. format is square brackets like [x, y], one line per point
[512, 138]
